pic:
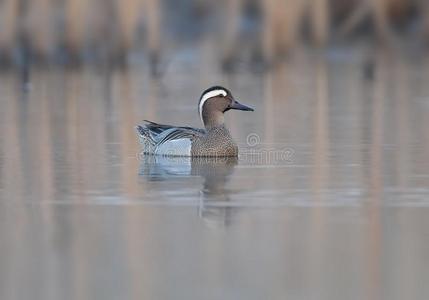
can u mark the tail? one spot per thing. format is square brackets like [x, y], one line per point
[146, 139]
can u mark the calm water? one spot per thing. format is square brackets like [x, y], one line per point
[329, 198]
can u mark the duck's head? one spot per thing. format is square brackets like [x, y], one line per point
[214, 102]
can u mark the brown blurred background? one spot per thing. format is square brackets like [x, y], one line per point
[77, 31]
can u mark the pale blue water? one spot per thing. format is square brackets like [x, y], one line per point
[329, 198]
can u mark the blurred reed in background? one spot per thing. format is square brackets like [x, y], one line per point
[76, 31]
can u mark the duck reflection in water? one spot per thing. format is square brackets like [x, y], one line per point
[214, 196]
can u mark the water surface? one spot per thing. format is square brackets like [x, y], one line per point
[329, 198]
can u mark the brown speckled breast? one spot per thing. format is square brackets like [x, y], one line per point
[216, 142]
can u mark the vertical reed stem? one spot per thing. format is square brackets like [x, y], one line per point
[268, 32]
[425, 8]
[320, 21]
[75, 24]
[128, 14]
[153, 23]
[40, 26]
[379, 8]
[8, 19]
[282, 21]
[232, 20]
[289, 22]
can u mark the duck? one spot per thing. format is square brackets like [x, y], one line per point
[214, 140]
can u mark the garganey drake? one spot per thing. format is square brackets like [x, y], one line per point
[214, 140]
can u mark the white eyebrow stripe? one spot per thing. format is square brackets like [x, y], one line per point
[207, 96]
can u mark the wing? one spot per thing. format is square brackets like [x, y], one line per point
[162, 133]
[166, 139]
[158, 128]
